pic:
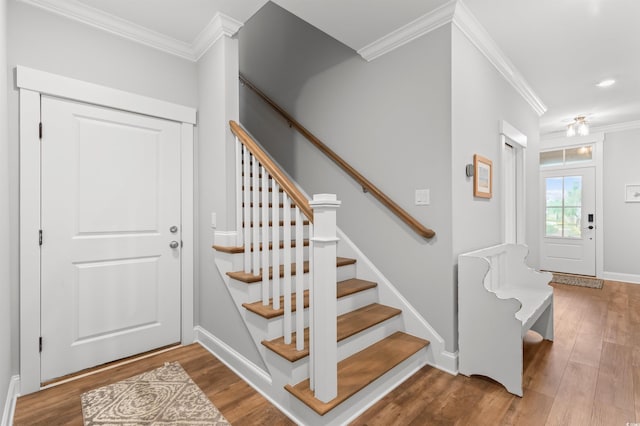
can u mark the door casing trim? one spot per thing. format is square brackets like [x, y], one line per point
[32, 84]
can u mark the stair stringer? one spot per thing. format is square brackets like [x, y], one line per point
[388, 294]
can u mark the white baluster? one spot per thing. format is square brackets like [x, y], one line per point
[299, 281]
[312, 382]
[275, 240]
[247, 210]
[287, 268]
[239, 208]
[265, 236]
[324, 297]
[255, 188]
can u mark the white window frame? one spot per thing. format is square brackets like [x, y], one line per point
[32, 84]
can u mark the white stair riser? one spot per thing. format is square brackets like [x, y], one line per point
[274, 327]
[305, 233]
[299, 370]
[253, 291]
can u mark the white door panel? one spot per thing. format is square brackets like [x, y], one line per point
[110, 193]
[568, 234]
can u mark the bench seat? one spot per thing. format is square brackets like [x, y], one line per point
[499, 299]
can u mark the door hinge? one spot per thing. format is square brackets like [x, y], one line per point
[40, 344]
[40, 130]
[40, 237]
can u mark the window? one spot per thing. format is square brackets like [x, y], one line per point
[567, 156]
[563, 207]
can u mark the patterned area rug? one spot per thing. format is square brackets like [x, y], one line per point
[577, 280]
[164, 396]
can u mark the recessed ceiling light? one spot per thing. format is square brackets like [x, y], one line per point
[606, 83]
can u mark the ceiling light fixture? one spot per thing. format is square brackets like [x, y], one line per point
[606, 83]
[579, 127]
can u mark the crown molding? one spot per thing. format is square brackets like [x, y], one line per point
[609, 128]
[409, 32]
[619, 127]
[221, 25]
[457, 12]
[475, 32]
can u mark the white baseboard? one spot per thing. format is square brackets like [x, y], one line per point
[253, 375]
[448, 362]
[10, 403]
[625, 278]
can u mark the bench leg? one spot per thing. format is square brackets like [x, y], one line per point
[544, 324]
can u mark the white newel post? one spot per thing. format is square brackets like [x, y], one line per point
[323, 346]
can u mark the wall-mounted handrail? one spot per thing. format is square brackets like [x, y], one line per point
[274, 171]
[367, 186]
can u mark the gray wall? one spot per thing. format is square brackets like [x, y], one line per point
[481, 98]
[390, 118]
[218, 88]
[51, 43]
[621, 220]
[5, 287]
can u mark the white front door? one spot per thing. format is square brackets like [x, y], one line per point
[110, 281]
[568, 234]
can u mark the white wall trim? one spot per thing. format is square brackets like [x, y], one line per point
[475, 32]
[10, 402]
[32, 85]
[409, 32]
[449, 362]
[219, 26]
[518, 140]
[617, 276]
[609, 128]
[231, 358]
[512, 133]
[255, 376]
[69, 88]
[457, 12]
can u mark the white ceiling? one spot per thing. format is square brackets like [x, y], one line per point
[562, 48]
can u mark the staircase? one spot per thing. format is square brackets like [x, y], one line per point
[278, 256]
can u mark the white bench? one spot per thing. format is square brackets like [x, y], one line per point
[499, 299]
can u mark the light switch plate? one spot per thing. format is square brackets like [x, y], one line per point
[213, 220]
[423, 197]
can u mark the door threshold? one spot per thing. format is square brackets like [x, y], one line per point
[107, 366]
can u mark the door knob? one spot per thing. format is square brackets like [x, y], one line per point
[174, 244]
[173, 229]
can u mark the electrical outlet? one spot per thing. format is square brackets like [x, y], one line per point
[423, 197]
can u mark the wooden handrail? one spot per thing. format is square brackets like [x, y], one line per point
[274, 171]
[367, 186]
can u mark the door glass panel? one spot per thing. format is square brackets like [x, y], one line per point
[563, 209]
[554, 222]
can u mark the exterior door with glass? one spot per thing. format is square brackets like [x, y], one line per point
[568, 235]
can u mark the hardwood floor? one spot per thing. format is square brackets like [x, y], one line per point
[590, 375]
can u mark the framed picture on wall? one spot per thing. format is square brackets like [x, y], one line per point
[482, 177]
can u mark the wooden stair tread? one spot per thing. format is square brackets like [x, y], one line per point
[250, 278]
[240, 249]
[280, 223]
[361, 369]
[344, 288]
[348, 325]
